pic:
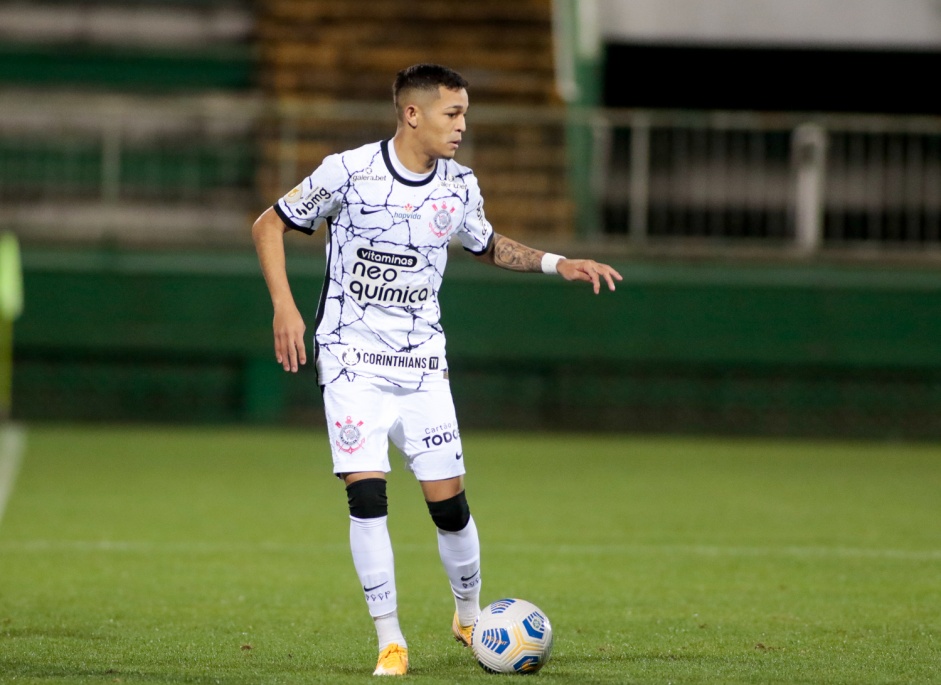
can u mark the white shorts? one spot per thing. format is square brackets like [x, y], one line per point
[362, 416]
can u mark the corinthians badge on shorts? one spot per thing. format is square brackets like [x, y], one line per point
[440, 225]
[351, 438]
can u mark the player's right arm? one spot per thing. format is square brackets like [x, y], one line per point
[268, 235]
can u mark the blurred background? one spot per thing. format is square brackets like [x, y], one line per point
[766, 174]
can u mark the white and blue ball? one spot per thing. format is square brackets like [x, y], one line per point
[512, 636]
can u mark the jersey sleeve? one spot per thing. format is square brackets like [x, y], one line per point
[476, 233]
[315, 198]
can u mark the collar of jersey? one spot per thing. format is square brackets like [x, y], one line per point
[396, 175]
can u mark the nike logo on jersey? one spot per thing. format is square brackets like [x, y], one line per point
[458, 456]
[363, 210]
[374, 587]
[471, 575]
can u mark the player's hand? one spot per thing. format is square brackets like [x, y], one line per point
[289, 330]
[588, 270]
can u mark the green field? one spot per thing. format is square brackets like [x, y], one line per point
[184, 555]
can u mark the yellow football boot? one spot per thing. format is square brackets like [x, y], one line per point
[461, 633]
[393, 660]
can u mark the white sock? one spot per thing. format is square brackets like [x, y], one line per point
[375, 566]
[388, 631]
[460, 555]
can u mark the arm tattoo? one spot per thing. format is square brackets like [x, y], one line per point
[509, 254]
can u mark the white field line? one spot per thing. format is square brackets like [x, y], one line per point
[12, 444]
[712, 551]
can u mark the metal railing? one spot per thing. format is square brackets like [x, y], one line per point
[79, 167]
[807, 181]
[85, 167]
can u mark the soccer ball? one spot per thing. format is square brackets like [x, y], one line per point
[512, 636]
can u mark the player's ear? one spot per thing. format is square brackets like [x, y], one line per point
[410, 116]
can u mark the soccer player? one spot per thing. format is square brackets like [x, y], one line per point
[391, 208]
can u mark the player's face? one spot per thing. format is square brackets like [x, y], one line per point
[442, 123]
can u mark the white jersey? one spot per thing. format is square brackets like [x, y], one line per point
[387, 248]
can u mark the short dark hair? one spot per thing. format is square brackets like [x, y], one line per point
[425, 77]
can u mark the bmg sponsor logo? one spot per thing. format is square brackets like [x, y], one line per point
[304, 206]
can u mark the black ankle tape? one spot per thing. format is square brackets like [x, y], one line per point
[451, 514]
[367, 498]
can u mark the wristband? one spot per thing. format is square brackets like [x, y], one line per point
[550, 263]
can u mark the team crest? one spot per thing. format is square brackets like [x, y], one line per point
[350, 356]
[441, 223]
[351, 437]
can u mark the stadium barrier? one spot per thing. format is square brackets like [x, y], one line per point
[800, 349]
[793, 346]
[794, 180]
[191, 170]
[128, 169]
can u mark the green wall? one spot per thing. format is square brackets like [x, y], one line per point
[805, 349]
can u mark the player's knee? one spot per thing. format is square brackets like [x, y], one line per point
[452, 514]
[367, 498]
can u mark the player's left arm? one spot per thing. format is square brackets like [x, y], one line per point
[506, 253]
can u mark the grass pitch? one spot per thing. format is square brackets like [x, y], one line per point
[143, 555]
